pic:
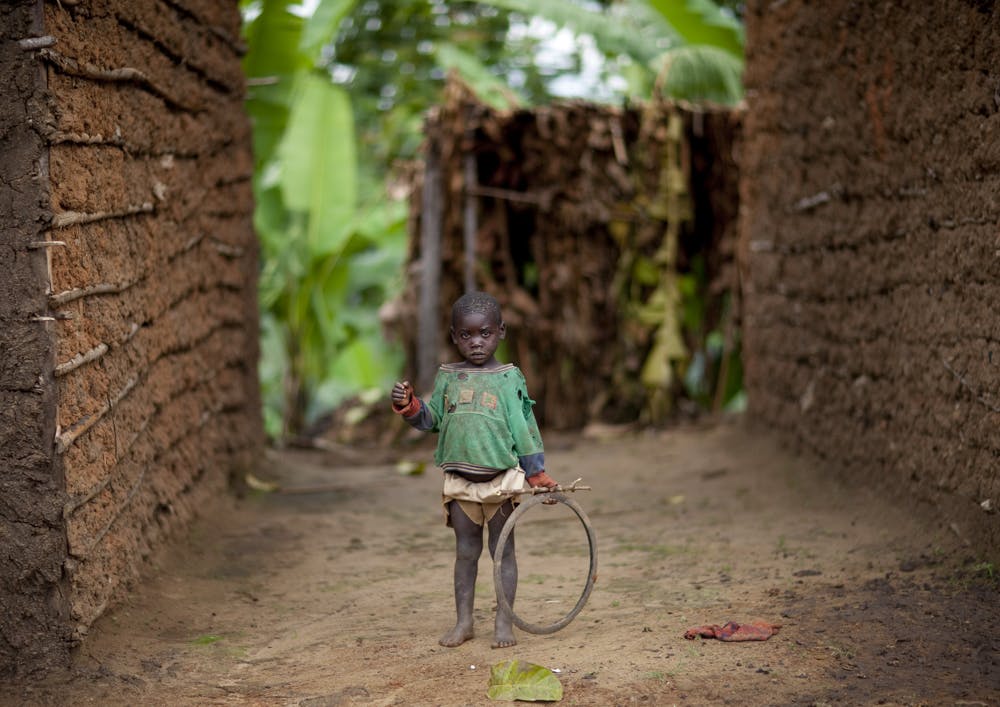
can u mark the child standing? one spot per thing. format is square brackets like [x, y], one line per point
[489, 446]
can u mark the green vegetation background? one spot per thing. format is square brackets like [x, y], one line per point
[337, 93]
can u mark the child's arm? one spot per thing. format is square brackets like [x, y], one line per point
[412, 408]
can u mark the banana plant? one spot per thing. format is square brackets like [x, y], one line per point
[326, 263]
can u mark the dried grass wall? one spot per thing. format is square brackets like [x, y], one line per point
[870, 177]
[563, 213]
[136, 298]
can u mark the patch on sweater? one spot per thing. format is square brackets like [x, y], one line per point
[489, 401]
[465, 396]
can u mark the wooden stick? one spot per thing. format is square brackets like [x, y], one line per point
[557, 489]
[81, 359]
[30, 43]
[431, 217]
[70, 218]
[103, 288]
[618, 141]
[123, 74]
[470, 220]
[65, 439]
[508, 194]
[226, 250]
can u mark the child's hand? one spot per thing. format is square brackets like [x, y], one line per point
[541, 479]
[402, 393]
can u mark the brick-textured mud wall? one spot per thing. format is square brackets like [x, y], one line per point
[148, 369]
[871, 239]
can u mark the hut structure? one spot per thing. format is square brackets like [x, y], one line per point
[608, 234]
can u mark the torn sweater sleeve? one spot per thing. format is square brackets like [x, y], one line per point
[524, 429]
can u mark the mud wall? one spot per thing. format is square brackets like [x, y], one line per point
[146, 350]
[32, 539]
[870, 175]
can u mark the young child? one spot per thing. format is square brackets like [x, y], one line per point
[489, 445]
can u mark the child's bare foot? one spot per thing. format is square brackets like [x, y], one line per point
[503, 637]
[457, 636]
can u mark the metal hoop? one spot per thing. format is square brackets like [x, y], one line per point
[498, 552]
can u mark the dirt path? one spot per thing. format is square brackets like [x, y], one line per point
[338, 598]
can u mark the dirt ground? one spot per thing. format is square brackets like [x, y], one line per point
[337, 595]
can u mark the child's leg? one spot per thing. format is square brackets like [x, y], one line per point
[468, 547]
[503, 631]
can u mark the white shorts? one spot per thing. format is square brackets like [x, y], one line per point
[480, 500]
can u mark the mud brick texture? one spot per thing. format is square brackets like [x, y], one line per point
[128, 347]
[870, 246]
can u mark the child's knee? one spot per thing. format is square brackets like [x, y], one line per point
[469, 547]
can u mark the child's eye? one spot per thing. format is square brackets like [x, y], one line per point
[485, 333]
[465, 335]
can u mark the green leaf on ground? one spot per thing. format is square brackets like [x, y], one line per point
[206, 640]
[510, 681]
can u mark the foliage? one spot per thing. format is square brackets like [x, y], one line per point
[986, 569]
[510, 681]
[702, 23]
[326, 264]
[713, 376]
[700, 73]
[393, 58]
[690, 49]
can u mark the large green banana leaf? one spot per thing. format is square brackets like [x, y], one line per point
[318, 163]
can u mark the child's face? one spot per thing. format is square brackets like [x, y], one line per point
[477, 336]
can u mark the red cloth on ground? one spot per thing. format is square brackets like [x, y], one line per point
[732, 631]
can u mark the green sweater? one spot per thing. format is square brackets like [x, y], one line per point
[484, 419]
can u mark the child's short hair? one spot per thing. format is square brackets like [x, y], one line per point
[479, 302]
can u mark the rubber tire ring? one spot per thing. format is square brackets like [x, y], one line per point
[501, 545]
